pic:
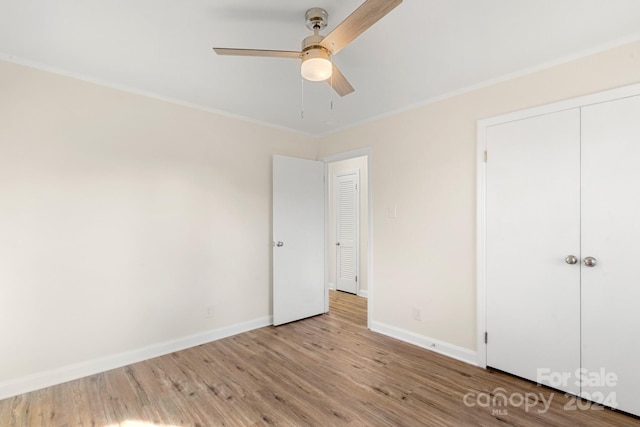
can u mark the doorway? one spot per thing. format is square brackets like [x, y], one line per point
[348, 238]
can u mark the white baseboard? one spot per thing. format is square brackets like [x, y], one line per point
[362, 293]
[432, 344]
[72, 372]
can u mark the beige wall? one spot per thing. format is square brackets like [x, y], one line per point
[423, 162]
[360, 164]
[123, 217]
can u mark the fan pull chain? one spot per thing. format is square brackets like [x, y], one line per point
[331, 85]
[302, 98]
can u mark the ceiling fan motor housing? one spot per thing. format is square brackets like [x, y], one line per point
[311, 42]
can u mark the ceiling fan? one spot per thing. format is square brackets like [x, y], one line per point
[317, 50]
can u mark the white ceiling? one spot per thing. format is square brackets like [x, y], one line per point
[422, 50]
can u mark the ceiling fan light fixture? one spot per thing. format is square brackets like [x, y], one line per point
[316, 65]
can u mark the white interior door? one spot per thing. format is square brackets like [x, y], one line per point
[533, 211]
[347, 203]
[298, 234]
[611, 235]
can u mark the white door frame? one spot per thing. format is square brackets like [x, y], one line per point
[370, 282]
[481, 279]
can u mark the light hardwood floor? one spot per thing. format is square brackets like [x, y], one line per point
[323, 371]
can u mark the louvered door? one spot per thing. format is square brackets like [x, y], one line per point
[347, 224]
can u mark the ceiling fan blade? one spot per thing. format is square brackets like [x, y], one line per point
[258, 52]
[339, 82]
[369, 12]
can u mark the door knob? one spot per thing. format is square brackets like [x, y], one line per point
[571, 259]
[337, 243]
[590, 261]
[279, 244]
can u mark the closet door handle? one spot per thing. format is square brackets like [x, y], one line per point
[590, 261]
[571, 259]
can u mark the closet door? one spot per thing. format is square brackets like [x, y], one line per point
[611, 235]
[533, 224]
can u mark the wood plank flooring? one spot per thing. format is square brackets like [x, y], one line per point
[324, 371]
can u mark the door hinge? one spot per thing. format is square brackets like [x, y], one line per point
[484, 156]
[356, 278]
[486, 337]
